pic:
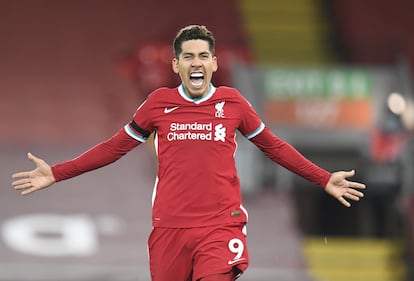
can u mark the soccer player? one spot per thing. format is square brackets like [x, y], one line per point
[199, 222]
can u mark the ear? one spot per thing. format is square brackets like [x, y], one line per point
[174, 64]
[215, 64]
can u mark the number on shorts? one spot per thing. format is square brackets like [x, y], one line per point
[236, 246]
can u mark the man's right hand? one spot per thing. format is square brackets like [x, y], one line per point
[39, 178]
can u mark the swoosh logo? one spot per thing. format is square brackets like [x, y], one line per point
[234, 261]
[168, 110]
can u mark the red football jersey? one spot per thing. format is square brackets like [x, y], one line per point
[195, 140]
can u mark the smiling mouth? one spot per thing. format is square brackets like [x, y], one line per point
[197, 79]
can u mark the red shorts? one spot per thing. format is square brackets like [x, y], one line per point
[188, 254]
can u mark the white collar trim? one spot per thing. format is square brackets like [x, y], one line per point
[185, 96]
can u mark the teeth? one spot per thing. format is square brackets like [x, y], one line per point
[197, 79]
[196, 75]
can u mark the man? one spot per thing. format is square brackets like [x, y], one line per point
[199, 221]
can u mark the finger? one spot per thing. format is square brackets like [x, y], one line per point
[28, 191]
[344, 202]
[20, 182]
[351, 196]
[33, 158]
[21, 175]
[355, 192]
[349, 173]
[23, 186]
[357, 185]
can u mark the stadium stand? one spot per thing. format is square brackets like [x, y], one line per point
[63, 88]
[68, 78]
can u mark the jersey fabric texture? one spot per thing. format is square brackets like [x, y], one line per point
[195, 140]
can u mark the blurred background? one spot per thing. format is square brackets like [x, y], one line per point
[332, 77]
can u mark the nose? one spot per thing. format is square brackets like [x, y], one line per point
[196, 62]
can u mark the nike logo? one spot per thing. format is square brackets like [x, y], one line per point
[168, 110]
[234, 261]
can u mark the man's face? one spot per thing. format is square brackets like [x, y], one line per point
[195, 66]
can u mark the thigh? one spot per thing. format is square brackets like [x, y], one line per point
[222, 250]
[169, 257]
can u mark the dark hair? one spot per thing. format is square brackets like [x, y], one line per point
[193, 32]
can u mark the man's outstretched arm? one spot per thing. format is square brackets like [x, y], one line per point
[98, 156]
[335, 184]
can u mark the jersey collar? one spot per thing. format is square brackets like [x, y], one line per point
[185, 96]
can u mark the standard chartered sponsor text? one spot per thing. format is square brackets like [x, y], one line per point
[185, 131]
[195, 126]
